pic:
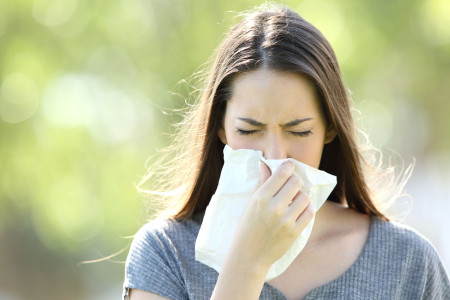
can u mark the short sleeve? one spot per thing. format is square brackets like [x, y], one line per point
[423, 274]
[151, 264]
[437, 285]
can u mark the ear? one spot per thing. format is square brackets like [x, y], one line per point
[221, 134]
[330, 134]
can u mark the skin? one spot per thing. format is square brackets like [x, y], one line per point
[278, 113]
[276, 99]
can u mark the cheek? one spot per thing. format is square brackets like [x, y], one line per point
[236, 141]
[308, 152]
[309, 156]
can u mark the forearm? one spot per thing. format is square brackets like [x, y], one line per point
[240, 278]
[275, 216]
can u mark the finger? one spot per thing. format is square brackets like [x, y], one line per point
[305, 217]
[264, 174]
[289, 191]
[298, 205]
[277, 180]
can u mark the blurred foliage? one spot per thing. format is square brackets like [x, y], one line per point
[84, 87]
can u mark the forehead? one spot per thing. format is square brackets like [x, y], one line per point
[272, 94]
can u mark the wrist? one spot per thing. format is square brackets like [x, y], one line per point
[247, 263]
[240, 278]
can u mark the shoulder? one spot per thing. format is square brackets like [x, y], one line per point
[403, 254]
[170, 226]
[167, 229]
[399, 238]
[163, 236]
[160, 255]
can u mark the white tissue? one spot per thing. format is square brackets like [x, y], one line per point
[237, 184]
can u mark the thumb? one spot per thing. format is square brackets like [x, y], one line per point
[264, 174]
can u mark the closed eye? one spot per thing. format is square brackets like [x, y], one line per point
[296, 133]
[246, 132]
[302, 133]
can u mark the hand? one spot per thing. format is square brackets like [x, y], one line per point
[275, 216]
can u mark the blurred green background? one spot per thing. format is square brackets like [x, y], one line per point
[84, 87]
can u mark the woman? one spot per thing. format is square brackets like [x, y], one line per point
[276, 86]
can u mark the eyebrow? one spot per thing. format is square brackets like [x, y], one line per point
[288, 124]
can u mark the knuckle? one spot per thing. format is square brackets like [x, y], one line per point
[277, 211]
[259, 197]
[290, 224]
[287, 224]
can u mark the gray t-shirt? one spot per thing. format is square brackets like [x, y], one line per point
[396, 263]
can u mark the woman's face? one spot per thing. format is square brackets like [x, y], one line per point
[277, 113]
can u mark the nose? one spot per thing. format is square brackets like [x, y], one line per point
[274, 148]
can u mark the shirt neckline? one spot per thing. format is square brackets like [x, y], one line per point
[346, 273]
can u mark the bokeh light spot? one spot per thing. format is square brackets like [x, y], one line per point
[53, 12]
[78, 214]
[19, 98]
[109, 114]
[72, 214]
[436, 22]
[67, 101]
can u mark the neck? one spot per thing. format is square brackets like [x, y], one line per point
[327, 217]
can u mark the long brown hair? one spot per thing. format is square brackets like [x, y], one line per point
[276, 38]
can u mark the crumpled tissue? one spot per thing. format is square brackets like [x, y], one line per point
[237, 184]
